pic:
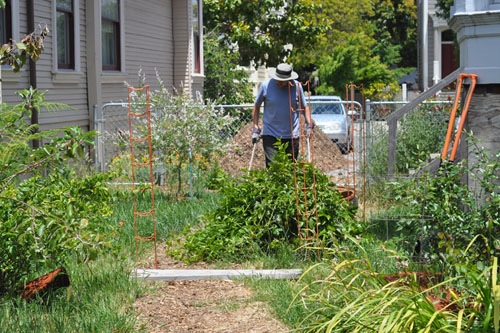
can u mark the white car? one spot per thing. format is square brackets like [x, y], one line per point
[329, 114]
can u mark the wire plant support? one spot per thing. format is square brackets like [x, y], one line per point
[140, 114]
[307, 213]
[354, 112]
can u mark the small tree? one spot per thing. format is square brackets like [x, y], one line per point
[185, 132]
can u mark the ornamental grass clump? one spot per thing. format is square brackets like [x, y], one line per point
[363, 290]
[351, 293]
[258, 213]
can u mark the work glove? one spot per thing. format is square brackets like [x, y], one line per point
[255, 135]
[309, 130]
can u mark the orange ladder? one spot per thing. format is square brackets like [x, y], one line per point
[461, 123]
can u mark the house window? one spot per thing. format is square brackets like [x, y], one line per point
[65, 34]
[197, 40]
[110, 25]
[6, 23]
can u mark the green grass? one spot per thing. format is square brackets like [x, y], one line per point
[98, 300]
[102, 293]
[172, 216]
[279, 295]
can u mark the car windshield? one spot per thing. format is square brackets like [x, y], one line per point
[324, 108]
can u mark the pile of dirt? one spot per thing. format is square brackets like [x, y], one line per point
[325, 154]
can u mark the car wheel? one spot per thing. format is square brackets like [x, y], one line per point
[343, 147]
[347, 146]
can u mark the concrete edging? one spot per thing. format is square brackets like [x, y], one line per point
[207, 274]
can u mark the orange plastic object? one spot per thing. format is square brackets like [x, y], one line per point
[463, 117]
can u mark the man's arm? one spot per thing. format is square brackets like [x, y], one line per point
[255, 119]
[305, 104]
[307, 114]
[255, 115]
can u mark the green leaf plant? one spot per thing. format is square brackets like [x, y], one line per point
[448, 213]
[50, 209]
[258, 213]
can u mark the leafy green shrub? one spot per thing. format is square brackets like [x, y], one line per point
[50, 209]
[420, 134]
[448, 213]
[258, 213]
[46, 220]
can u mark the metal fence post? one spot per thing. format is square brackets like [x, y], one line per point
[369, 136]
[391, 136]
[99, 144]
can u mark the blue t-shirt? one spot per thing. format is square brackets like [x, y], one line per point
[279, 104]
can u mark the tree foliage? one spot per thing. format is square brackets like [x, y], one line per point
[332, 42]
[339, 22]
[262, 29]
[225, 83]
[349, 64]
[444, 7]
[395, 24]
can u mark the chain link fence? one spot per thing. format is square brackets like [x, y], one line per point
[419, 133]
[112, 126]
[419, 139]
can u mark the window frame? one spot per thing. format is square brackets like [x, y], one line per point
[70, 36]
[75, 42]
[197, 36]
[14, 19]
[119, 33]
[14, 14]
[6, 13]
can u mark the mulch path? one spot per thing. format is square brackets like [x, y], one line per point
[204, 306]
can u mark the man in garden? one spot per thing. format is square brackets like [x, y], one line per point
[284, 100]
